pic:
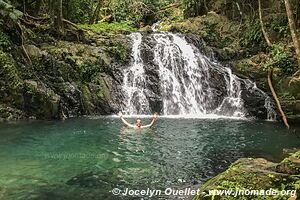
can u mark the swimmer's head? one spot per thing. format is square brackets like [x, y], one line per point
[138, 123]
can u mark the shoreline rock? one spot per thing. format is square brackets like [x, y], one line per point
[256, 174]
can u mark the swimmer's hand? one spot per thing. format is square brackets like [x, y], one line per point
[120, 114]
[155, 115]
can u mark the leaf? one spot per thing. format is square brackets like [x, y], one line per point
[18, 13]
[13, 16]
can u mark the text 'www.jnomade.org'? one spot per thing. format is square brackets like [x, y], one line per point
[236, 193]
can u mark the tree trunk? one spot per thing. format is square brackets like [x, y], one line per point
[58, 16]
[205, 7]
[67, 9]
[270, 72]
[96, 13]
[293, 29]
[265, 34]
[51, 5]
[24, 6]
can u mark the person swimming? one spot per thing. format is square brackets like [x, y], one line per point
[138, 122]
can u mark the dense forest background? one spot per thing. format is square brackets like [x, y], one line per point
[250, 36]
[139, 13]
[261, 23]
[149, 11]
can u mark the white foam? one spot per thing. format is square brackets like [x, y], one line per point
[207, 116]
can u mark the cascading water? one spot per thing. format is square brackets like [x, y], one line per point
[134, 80]
[173, 77]
[182, 80]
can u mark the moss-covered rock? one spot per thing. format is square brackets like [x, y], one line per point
[213, 28]
[292, 86]
[66, 78]
[11, 84]
[250, 68]
[255, 174]
[146, 29]
[288, 89]
[40, 101]
[33, 51]
[10, 113]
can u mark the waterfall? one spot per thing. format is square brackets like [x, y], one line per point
[134, 80]
[172, 76]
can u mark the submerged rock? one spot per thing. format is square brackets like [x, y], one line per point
[89, 180]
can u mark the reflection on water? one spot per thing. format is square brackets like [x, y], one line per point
[87, 158]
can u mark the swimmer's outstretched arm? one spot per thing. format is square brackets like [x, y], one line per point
[124, 121]
[152, 122]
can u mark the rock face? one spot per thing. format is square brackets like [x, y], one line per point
[256, 174]
[65, 79]
[68, 79]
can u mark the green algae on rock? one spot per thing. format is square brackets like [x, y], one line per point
[256, 174]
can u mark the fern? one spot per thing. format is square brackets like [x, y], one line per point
[7, 11]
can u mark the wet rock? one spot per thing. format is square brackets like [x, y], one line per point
[40, 101]
[255, 102]
[216, 83]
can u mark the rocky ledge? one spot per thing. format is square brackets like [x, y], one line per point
[256, 174]
[59, 78]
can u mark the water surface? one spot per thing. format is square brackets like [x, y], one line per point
[87, 158]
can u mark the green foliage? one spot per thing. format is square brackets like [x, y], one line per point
[281, 26]
[7, 64]
[252, 35]
[286, 96]
[78, 11]
[88, 70]
[120, 10]
[11, 83]
[82, 11]
[193, 8]
[4, 40]
[105, 27]
[209, 31]
[7, 11]
[281, 57]
[118, 50]
[101, 93]
[138, 11]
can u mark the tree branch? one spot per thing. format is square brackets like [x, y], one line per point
[262, 25]
[22, 44]
[74, 25]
